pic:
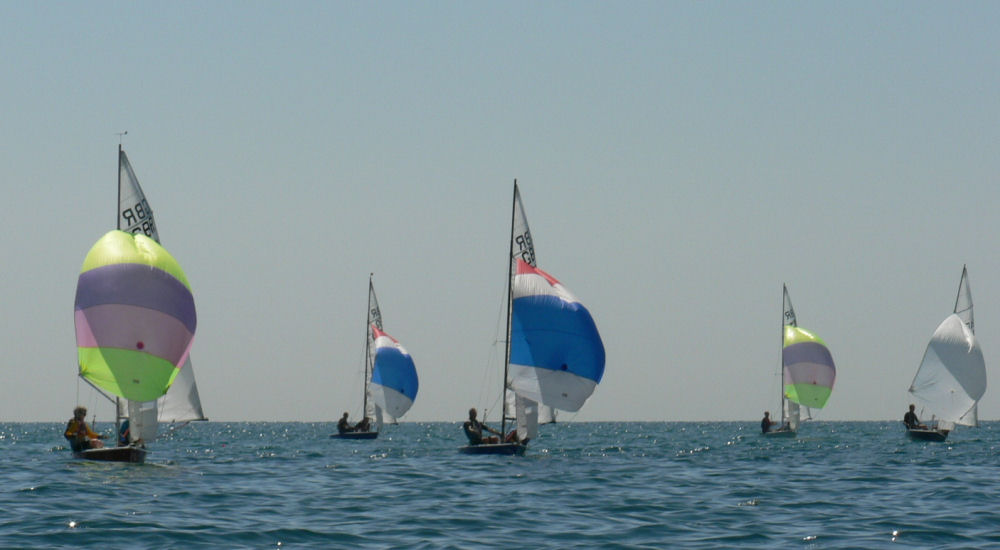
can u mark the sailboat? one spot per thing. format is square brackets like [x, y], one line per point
[182, 403]
[135, 323]
[807, 371]
[391, 384]
[553, 356]
[951, 378]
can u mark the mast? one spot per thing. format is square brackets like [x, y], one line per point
[781, 365]
[510, 291]
[368, 328]
[118, 206]
[118, 226]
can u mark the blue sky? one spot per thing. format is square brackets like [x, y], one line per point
[678, 162]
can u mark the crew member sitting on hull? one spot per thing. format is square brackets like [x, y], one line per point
[911, 420]
[474, 430]
[79, 434]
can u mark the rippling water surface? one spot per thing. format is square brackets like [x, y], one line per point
[600, 485]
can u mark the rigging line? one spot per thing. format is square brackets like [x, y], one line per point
[490, 371]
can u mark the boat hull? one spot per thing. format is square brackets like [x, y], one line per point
[131, 454]
[780, 433]
[494, 449]
[355, 435]
[927, 435]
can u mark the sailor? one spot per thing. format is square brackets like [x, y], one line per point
[343, 426]
[474, 430]
[79, 434]
[911, 420]
[766, 423]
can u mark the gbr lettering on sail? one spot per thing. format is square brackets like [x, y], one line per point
[138, 218]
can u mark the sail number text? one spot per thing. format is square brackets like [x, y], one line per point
[139, 218]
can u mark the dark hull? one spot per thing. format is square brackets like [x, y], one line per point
[355, 435]
[494, 449]
[114, 454]
[927, 435]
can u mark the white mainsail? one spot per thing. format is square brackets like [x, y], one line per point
[789, 409]
[523, 247]
[374, 319]
[952, 375]
[182, 402]
[963, 308]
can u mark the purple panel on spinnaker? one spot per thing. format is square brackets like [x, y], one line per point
[808, 362]
[137, 285]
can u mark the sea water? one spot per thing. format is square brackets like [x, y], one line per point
[580, 485]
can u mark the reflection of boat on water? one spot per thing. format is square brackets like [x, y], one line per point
[553, 354]
[952, 375]
[135, 323]
[807, 371]
[390, 385]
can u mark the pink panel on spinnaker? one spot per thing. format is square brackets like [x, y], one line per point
[133, 328]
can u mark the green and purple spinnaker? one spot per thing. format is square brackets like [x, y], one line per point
[135, 316]
[808, 369]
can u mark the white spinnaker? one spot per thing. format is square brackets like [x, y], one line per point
[391, 402]
[952, 375]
